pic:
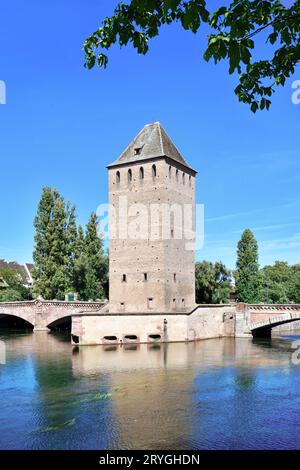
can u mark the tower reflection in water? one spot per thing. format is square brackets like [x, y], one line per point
[175, 396]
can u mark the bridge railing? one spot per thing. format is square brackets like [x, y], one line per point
[54, 303]
[285, 317]
[273, 307]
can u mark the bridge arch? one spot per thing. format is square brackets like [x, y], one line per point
[9, 320]
[263, 329]
[62, 322]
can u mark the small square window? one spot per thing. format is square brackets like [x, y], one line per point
[137, 150]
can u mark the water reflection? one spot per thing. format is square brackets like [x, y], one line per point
[221, 393]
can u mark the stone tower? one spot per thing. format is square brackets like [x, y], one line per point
[152, 266]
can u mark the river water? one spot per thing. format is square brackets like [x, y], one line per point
[214, 394]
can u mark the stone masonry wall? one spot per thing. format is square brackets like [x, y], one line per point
[205, 322]
[168, 266]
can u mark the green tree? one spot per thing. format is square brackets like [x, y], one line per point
[15, 291]
[212, 282]
[277, 283]
[72, 241]
[10, 276]
[51, 274]
[281, 283]
[95, 261]
[80, 264]
[10, 295]
[294, 294]
[247, 276]
[234, 31]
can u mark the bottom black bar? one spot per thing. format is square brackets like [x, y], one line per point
[140, 458]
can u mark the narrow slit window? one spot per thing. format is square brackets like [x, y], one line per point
[150, 302]
[145, 276]
[141, 173]
[124, 278]
[118, 177]
[170, 172]
[190, 180]
[129, 176]
[183, 178]
[174, 277]
[154, 171]
[177, 173]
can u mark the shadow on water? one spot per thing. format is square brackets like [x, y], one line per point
[276, 342]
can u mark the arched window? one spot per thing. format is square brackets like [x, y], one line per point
[129, 176]
[153, 171]
[183, 178]
[170, 171]
[141, 173]
[118, 177]
[177, 172]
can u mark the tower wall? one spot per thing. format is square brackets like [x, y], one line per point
[150, 272]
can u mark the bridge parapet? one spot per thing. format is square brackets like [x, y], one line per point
[273, 307]
[41, 313]
[253, 316]
[267, 316]
[278, 319]
[90, 305]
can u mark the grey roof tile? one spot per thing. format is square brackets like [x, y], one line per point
[151, 142]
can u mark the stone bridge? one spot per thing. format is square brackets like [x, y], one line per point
[44, 314]
[258, 320]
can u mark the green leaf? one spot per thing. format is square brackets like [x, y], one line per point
[245, 55]
[234, 56]
[273, 37]
[102, 60]
[254, 107]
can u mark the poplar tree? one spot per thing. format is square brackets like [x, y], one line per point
[66, 259]
[60, 251]
[247, 276]
[80, 264]
[71, 235]
[51, 251]
[95, 264]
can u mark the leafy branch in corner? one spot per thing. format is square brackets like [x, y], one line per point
[234, 30]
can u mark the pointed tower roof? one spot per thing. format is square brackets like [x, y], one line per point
[151, 142]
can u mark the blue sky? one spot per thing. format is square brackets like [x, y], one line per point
[62, 124]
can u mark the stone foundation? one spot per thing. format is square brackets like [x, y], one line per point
[107, 328]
